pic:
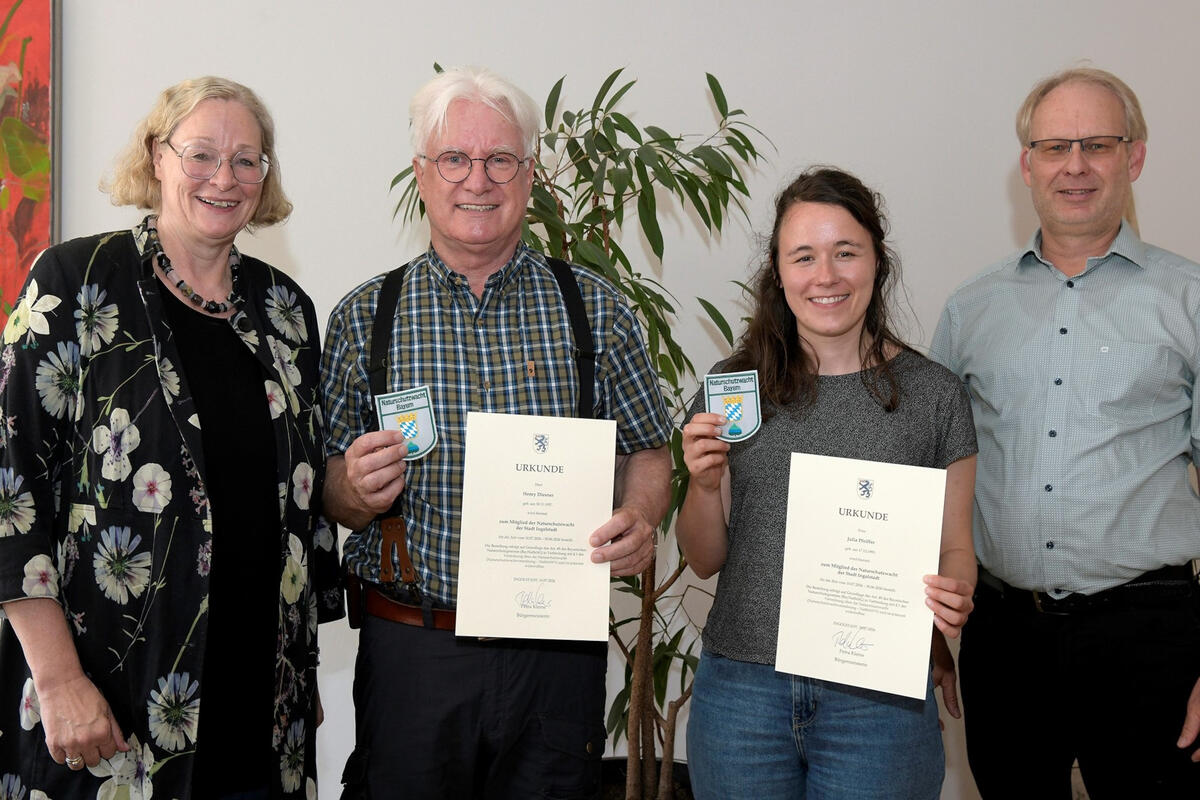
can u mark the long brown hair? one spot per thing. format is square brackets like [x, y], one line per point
[772, 344]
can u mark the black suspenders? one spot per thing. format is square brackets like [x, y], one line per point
[585, 354]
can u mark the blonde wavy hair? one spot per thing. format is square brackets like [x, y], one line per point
[133, 182]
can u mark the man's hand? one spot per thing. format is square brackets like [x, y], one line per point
[363, 482]
[945, 677]
[643, 491]
[630, 542]
[1191, 723]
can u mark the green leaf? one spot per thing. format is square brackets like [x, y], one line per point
[616, 98]
[619, 257]
[647, 212]
[626, 126]
[746, 143]
[593, 152]
[569, 118]
[664, 175]
[689, 186]
[599, 176]
[438, 68]
[714, 86]
[549, 220]
[577, 156]
[649, 221]
[666, 368]
[737, 147]
[714, 160]
[552, 101]
[611, 139]
[11, 10]
[648, 155]
[718, 319]
[661, 137]
[618, 714]
[604, 87]
[542, 198]
[605, 142]
[405, 173]
[409, 207]
[662, 673]
[714, 203]
[592, 255]
[28, 155]
[619, 178]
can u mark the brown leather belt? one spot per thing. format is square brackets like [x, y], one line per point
[378, 604]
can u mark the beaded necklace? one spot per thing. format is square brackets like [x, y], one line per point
[235, 299]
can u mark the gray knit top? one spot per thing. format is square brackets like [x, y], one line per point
[932, 427]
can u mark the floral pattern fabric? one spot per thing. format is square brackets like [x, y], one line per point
[103, 507]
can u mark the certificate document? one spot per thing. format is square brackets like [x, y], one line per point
[534, 490]
[860, 536]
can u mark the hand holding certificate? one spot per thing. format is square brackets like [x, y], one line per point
[534, 490]
[860, 537]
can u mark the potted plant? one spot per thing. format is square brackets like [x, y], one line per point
[596, 170]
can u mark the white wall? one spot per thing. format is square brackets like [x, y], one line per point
[916, 97]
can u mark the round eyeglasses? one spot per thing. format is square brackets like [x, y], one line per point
[202, 163]
[455, 166]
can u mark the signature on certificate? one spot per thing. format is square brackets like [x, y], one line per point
[851, 640]
[532, 598]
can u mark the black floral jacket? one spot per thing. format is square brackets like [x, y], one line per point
[103, 507]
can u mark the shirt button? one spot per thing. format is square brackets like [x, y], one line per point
[1062, 330]
[1049, 545]
[1053, 434]
[487, 384]
[1070, 284]
[1058, 381]
[1049, 488]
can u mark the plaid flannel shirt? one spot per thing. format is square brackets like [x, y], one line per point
[509, 351]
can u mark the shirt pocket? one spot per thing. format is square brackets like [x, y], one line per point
[1125, 379]
[549, 375]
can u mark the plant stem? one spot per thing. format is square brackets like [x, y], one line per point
[639, 780]
[666, 781]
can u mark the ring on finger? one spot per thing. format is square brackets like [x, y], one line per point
[74, 762]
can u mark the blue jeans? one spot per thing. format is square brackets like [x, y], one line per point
[766, 735]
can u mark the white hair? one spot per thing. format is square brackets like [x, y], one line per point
[427, 111]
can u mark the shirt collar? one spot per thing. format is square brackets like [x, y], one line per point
[497, 280]
[1127, 245]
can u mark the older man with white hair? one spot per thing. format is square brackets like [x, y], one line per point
[487, 324]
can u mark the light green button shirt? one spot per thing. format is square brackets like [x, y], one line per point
[1083, 391]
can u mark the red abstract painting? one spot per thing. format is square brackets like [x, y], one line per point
[26, 126]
